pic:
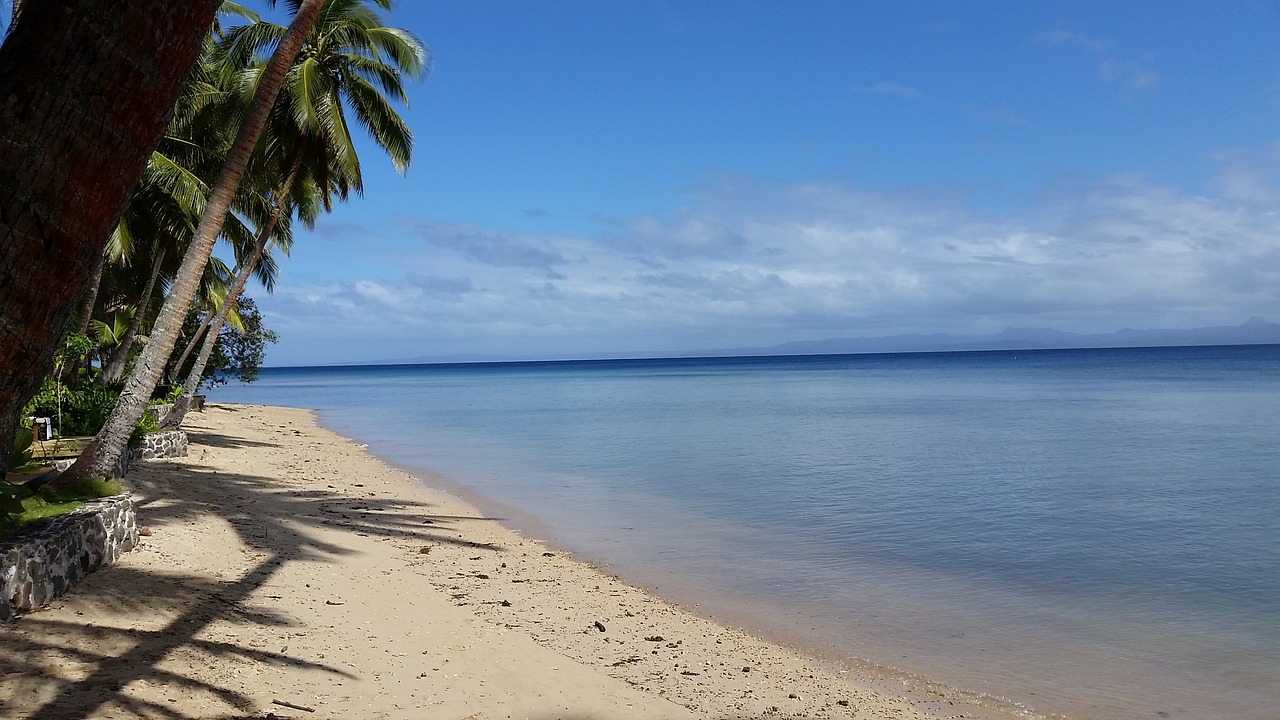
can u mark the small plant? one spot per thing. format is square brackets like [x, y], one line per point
[147, 424]
[22, 449]
[168, 398]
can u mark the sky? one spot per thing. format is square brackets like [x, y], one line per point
[611, 178]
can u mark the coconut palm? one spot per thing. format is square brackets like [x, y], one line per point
[350, 60]
[161, 217]
[100, 456]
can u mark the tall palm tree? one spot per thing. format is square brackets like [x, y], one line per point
[351, 60]
[100, 456]
[161, 216]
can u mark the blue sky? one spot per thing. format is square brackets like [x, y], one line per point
[623, 177]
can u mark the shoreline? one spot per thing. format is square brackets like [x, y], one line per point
[287, 566]
[933, 699]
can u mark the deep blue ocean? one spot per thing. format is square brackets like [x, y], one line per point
[1094, 533]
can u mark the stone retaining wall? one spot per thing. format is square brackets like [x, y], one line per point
[159, 412]
[155, 446]
[163, 444]
[43, 564]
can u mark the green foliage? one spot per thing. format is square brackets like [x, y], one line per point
[87, 410]
[78, 408]
[11, 498]
[74, 348]
[81, 411]
[168, 398]
[146, 424]
[238, 354]
[22, 443]
[20, 507]
[87, 489]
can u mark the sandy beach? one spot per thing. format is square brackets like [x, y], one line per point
[288, 573]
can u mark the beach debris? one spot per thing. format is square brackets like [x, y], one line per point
[600, 626]
[144, 531]
[425, 549]
[655, 638]
[482, 576]
[689, 672]
[505, 603]
[548, 554]
[626, 660]
[793, 696]
[843, 703]
[334, 602]
[746, 669]
[292, 706]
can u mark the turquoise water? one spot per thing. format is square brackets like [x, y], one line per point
[1094, 533]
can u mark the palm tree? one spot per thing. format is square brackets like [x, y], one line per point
[100, 456]
[351, 59]
[68, 158]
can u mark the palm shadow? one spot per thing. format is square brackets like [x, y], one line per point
[196, 437]
[276, 522]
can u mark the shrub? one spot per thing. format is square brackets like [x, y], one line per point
[146, 424]
[88, 410]
[82, 411]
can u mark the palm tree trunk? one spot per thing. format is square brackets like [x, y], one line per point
[193, 342]
[100, 457]
[189, 386]
[80, 323]
[70, 156]
[85, 312]
[114, 368]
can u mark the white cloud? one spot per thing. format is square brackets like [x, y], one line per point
[757, 263]
[1133, 74]
[893, 89]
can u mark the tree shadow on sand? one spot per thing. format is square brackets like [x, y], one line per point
[273, 520]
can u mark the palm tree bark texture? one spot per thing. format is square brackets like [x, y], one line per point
[86, 90]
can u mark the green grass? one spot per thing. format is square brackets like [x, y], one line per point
[48, 503]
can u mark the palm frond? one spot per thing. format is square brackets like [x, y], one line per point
[382, 123]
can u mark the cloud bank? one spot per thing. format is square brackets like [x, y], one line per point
[748, 262]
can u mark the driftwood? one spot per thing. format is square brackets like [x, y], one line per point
[286, 703]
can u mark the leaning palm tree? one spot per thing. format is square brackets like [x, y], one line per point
[101, 457]
[158, 224]
[351, 59]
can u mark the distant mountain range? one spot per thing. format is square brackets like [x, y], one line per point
[1255, 331]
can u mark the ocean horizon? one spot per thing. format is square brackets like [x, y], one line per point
[1087, 533]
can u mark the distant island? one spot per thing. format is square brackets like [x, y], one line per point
[1254, 331]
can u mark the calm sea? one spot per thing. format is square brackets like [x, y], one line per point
[1094, 533]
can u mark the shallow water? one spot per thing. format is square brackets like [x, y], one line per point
[1092, 533]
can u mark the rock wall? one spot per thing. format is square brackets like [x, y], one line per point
[164, 444]
[157, 445]
[44, 563]
[159, 412]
